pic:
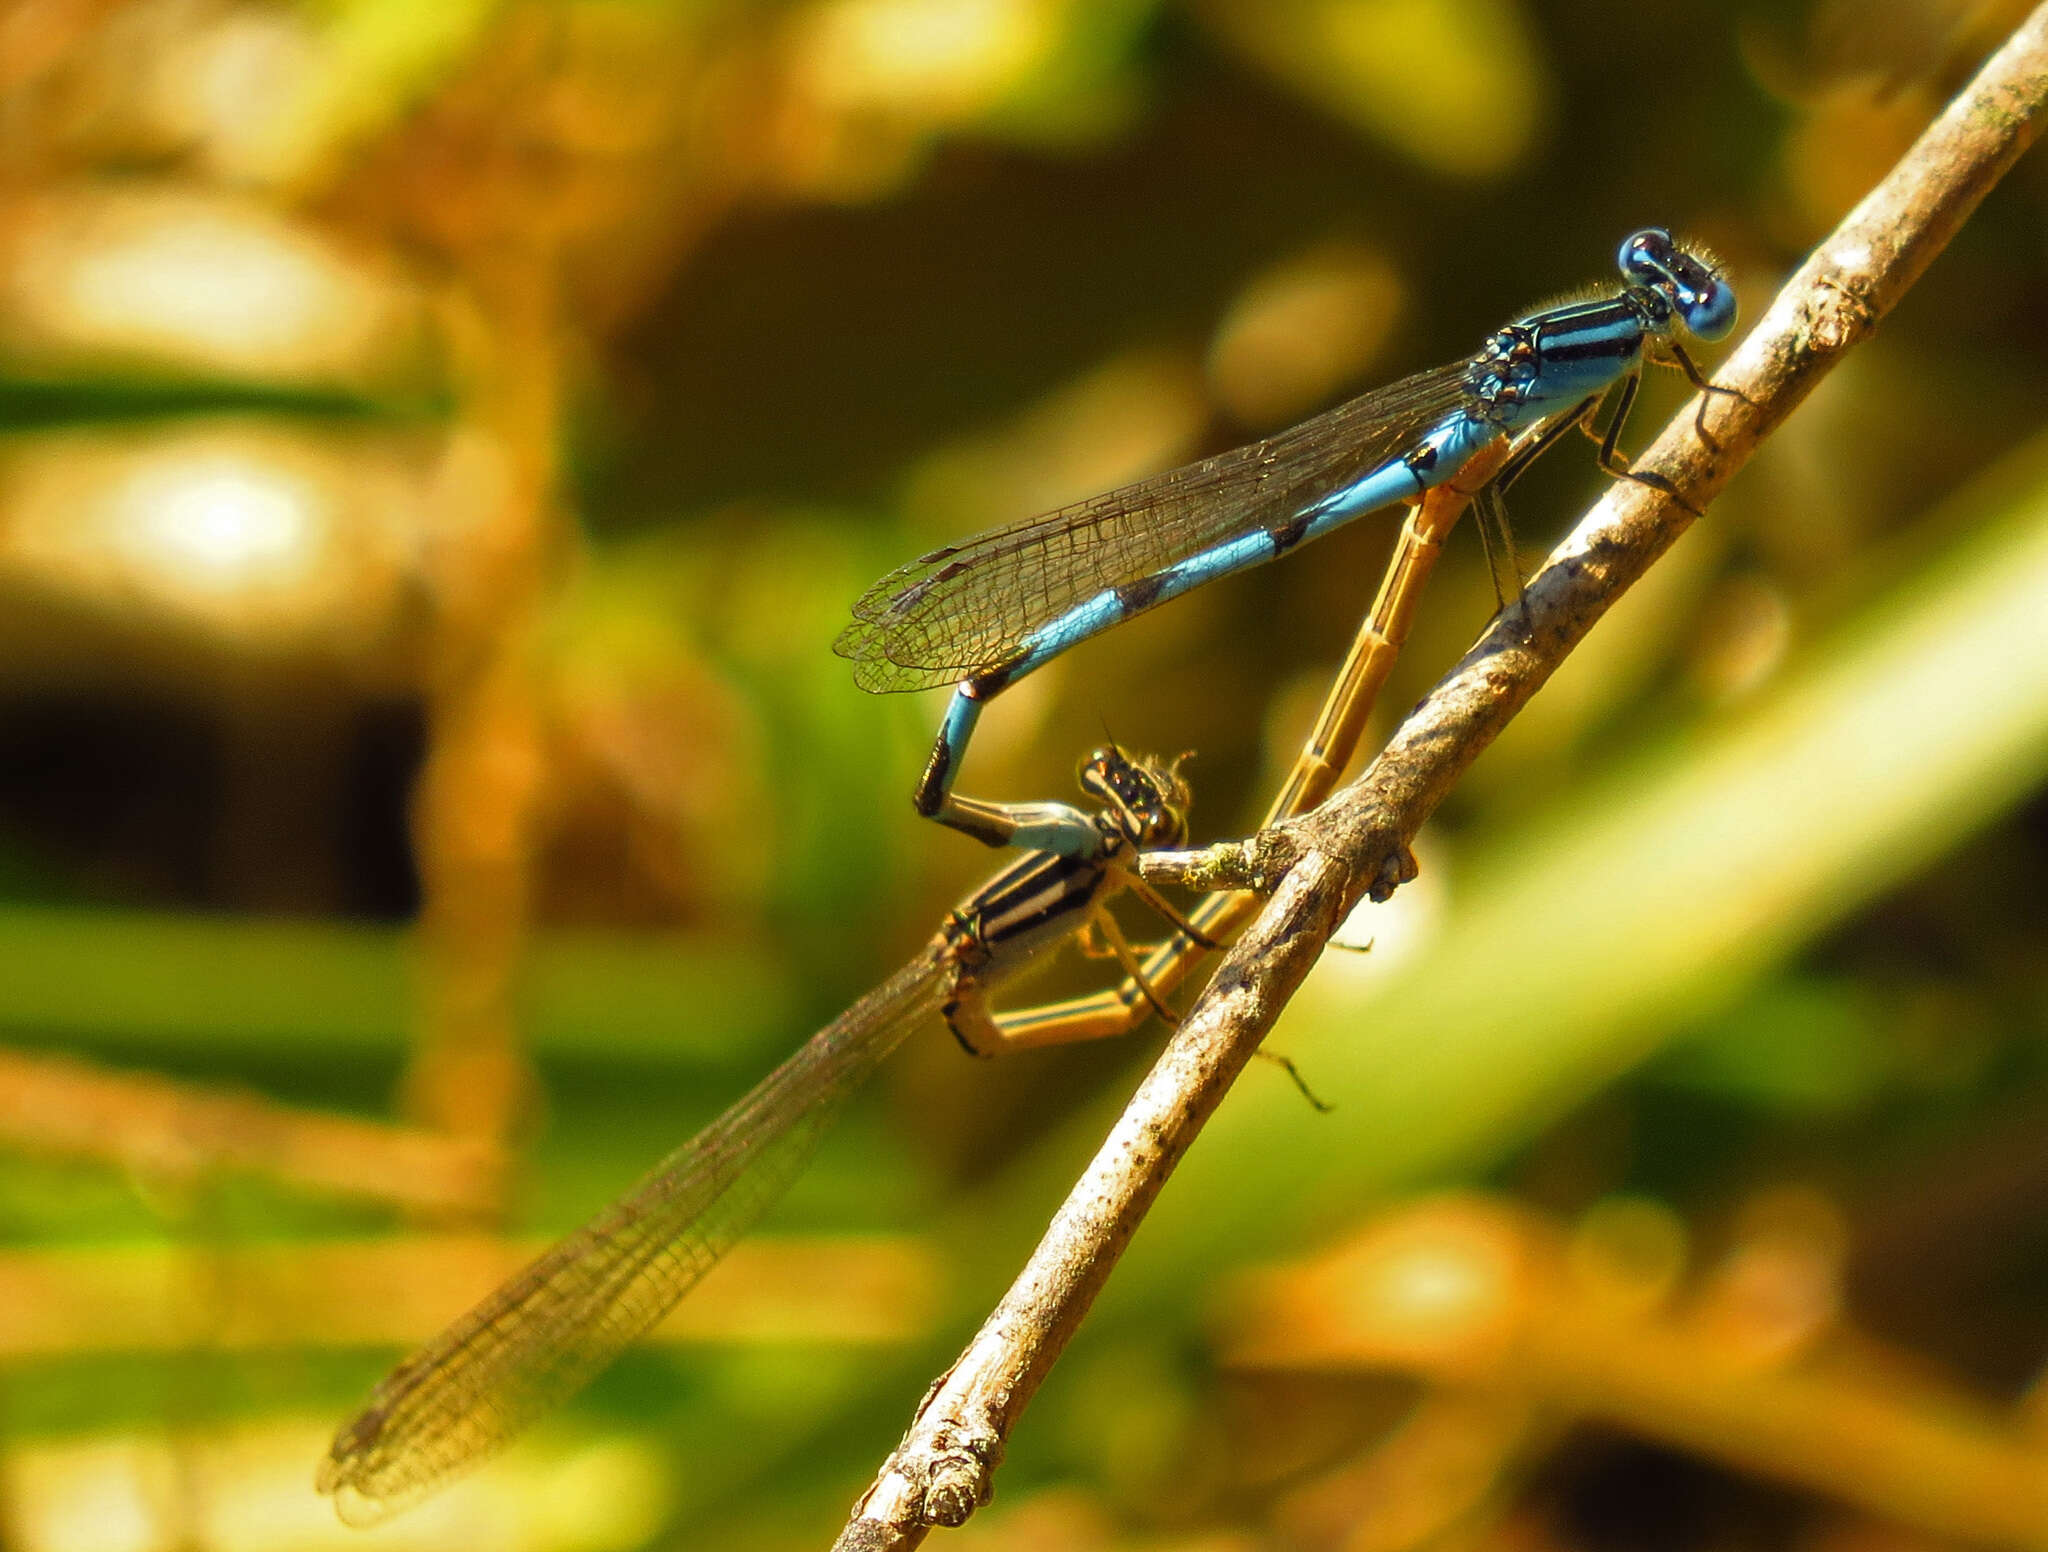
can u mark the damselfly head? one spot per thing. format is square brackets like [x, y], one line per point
[1687, 277]
[1149, 799]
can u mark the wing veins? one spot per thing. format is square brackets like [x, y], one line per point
[966, 607]
[552, 1326]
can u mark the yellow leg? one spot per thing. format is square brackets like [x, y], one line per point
[985, 1032]
[1321, 764]
[1134, 970]
[1183, 923]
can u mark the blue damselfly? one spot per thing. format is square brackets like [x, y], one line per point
[983, 613]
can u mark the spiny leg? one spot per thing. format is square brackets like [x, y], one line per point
[1612, 459]
[1127, 957]
[1100, 1016]
[1698, 379]
[1286, 1064]
[1615, 463]
[1535, 445]
[1497, 539]
[1173, 914]
[1104, 1015]
[1096, 1017]
[1679, 359]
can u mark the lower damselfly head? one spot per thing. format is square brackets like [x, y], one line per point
[1685, 276]
[1147, 800]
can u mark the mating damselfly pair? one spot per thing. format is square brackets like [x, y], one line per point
[980, 615]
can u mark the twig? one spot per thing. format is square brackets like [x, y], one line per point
[1325, 862]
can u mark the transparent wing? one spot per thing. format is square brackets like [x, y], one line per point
[551, 1328]
[970, 606]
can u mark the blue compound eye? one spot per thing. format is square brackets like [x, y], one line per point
[1708, 306]
[1645, 257]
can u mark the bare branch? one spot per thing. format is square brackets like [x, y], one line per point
[1325, 862]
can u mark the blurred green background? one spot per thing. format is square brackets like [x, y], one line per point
[438, 445]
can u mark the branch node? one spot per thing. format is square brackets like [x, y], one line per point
[957, 1482]
[1398, 867]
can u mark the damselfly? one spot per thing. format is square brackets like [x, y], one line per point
[983, 613]
[551, 1328]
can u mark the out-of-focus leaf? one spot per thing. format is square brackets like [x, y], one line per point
[116, 282]
[876, 81]
[1804, 1048]
[374, 59]
[161, 982]
[1456, 85]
